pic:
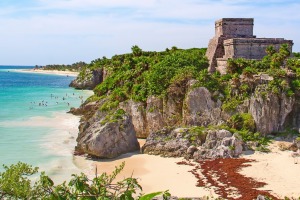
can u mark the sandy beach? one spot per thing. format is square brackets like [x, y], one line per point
[154, 173]
[56, 72]
[277, 169]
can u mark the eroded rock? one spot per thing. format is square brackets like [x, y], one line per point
[137, 112]
[108, 139]
[89, 80]
[200, 109]
[188, 143]
[270, 110]
[219, 144]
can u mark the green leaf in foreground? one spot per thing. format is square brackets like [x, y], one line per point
[16, 182]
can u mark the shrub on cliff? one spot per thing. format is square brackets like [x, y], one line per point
[243, 121]
[15, 183]
[140, 74]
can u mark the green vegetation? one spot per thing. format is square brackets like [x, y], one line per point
[15, 183]
[113, 116]
[73, 67]
[197, 135]
[296, 54]
[242, 121]
[140, 74]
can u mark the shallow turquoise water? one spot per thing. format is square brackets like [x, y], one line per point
[33, 123]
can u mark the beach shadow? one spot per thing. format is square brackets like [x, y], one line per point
[123, 156]
[248, 152]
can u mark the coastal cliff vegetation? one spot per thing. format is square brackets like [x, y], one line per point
[171, 99]
[173, 88]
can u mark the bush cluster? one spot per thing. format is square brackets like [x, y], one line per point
[16, 183]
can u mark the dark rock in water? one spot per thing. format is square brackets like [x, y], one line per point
[185, 142]
[89, 80]
[108, 139]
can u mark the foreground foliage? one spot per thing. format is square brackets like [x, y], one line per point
[16, 183]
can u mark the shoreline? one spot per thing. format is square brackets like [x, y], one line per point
[155, 173]
[50, 72]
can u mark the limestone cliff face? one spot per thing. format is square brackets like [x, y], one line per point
[107, 138]
[270, 110]
[137, 113]
[200, 109]
[195, 107]
[293, 118]
[89, 80]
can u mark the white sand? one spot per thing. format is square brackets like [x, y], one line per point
[40, 71]
[277, 169]
[153, 172]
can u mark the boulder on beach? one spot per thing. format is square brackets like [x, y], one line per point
[112, 136]
[193, 143]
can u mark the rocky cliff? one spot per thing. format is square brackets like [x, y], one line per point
[198, 108]
[271, 113]
[107, 135]
[88, 79]
[193, 143]
[162, 95]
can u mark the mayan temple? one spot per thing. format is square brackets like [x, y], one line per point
[234, 39]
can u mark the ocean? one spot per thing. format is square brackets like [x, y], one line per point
[34, 125]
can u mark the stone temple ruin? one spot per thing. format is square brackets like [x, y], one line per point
[234, 39]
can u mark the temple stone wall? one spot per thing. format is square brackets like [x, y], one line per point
[252, 48]
[234, 39]
[234, 27]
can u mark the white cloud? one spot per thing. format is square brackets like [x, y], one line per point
[66, 31]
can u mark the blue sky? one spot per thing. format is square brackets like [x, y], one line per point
[66, 31]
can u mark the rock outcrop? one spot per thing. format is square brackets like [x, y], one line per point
[137, 113]
[171, 143]
[270, 110]
[200, 108]
[192, 143]
[89, 80]
[219, 144]
[106, 136]
[154, 114]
